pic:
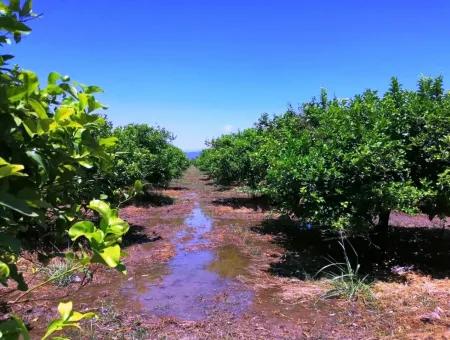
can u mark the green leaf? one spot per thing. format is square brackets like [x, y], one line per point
[85, 164]
[108, 141]
[29, 83]
[83, 99]
[14, 203]
[68, 318]
[117, 226]
[4, 272]
[53, 77]
[92, 89]
[70, 89]
[88, 230]
[65, 309]
[8, 169]
[138, 186]
[13, 328]
[38, 108]
[81, 228]
[101, 207]
[64, 113]
[36, 157]
[54, 326]
[6, 57]
[111, 255]
[77, 316]
[14, 5]
[26, 8]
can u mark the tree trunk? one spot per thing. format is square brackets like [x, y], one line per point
[383, 222]
[382, 229]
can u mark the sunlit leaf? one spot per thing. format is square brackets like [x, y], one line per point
[38, 108]
[65, 309]
[64, 113]
[111, 255]
[81, 228]
[53, 77]
[108, 141]
[8, 169]
[101, 207]
[4, 272]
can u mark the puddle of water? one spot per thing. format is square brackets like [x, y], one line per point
[199, 281]
[229, 262]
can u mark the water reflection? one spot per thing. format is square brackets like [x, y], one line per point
[229, 262]
[199, 281]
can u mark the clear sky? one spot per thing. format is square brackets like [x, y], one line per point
[204, 67]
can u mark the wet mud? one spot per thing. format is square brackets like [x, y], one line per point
[208, 262]
[196, 281]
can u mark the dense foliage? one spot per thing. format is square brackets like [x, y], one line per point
[347, 163]
[144, 152]
[59, 160]
[230, 158]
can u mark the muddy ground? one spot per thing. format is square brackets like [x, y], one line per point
[210, 262]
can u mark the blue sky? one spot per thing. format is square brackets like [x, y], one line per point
[204, 67]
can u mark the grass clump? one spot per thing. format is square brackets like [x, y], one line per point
[60, 272]
[113, 325]
[345, 278]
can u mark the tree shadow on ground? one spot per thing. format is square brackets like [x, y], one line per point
[209, 181]
[152, 199]
[4, 306]
[178, 188]
[221, 188]
[137, 235]
[427, 250]
[254, 203]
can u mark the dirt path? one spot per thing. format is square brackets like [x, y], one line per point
[205, 275]
[209, 262]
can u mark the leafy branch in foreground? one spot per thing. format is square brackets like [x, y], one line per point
[68, 318]
[51, 145]
[14, 328]
[103, 241]
[57, 153]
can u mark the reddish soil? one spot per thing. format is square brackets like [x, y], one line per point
[251, 274]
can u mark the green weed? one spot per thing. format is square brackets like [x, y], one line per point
[345, 278]
[60, 271]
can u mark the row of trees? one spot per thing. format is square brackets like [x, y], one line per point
[145, 152]
[346, 163]
[60, 158]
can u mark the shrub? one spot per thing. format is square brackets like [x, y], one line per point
[232, 159]
[145, 153]
[346, 164]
